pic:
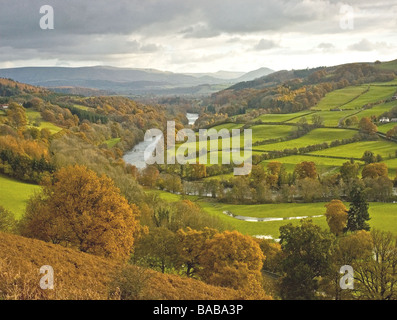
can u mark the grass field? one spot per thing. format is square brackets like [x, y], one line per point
[357, 149]
[376, 93]
[340, 97]
[313, 137]
[112, 142]
[35, 115]
[228, 126]
[376, 110]
[383, 215]
[14, 194]
[282, 117]
[384, 128]
[331, 118]
[323, 164]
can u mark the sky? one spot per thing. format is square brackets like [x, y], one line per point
[197, 36]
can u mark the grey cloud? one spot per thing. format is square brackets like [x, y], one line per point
[264, 44]
[325, 46]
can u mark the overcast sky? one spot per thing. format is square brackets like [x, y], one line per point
[198, 35]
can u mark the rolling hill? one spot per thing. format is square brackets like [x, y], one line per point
[79, 275]
[125, 80]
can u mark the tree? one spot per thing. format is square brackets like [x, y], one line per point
[376, 276]
[392, 133]
[358, 214]
[349, 171]
[306, 169]
[157, 249]
[229, 259]
[149, 176]
[368, 157]
[375, 170]
[77, 208]
[16, 115]
[366, 126]
[336, 216]
[317, 120]
[7, 220]
[350, 250]
[307, 251]
[191, 247]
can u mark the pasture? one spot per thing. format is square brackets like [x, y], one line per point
[14, 194]
[357, 149]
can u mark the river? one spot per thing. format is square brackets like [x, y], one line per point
[136, 156]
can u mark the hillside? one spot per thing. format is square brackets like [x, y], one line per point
[79, 275]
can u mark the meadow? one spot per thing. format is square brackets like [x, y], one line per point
[383, 215]
[34, 116]
[340, 97]
[316, 136]
[356, 150]
[14, 194]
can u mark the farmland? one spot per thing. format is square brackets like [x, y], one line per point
[382, 214]
[14, 194]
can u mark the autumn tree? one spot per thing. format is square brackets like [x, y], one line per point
[350, 250]
[305, 169]
[367, 126]
[375, 170]
[376, 276]
[149, 176]
[191, 244]
[336, 216]
[16, 115]
[307, 251]
[231, 259]
[79, 209]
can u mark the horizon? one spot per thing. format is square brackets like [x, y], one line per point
[205, 37]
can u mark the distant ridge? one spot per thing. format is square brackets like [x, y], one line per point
[123, 80]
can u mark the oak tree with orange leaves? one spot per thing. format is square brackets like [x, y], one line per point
[232, 260]
[78, 208]
[336, 216]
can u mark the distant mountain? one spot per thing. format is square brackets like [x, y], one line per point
[124, 80]
[254, 74]
[224, 75]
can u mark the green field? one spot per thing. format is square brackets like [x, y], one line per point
[376, 110]
[331, 118]
[339, 97]
[357, 149]
[323, 164]
[228, 126]
[384, 128]
[112, 142]
[282, 117]
[383, 215]
[14, 194]
[35, 115]
[375, 94]
[316, 136]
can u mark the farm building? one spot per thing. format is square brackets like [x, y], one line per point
[3, 107]
[384, 120]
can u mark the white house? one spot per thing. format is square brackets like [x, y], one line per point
[384, 120]
[3, 107]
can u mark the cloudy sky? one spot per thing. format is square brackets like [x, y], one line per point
[198, 35]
